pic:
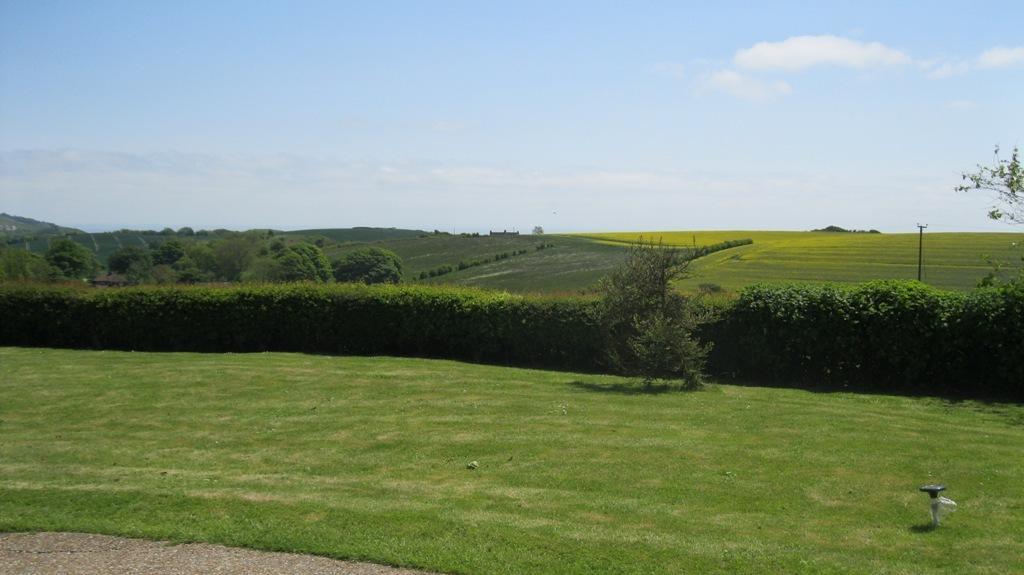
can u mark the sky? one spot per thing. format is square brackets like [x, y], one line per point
[469, 116]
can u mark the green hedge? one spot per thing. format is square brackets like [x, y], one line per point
[890, 336]
[338, 319]
[887, 336]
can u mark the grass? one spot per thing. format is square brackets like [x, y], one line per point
[951, 260]
[366, 458]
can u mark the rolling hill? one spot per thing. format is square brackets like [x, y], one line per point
[575, 262]
[16, 226]
[951, 260]
[565, 264]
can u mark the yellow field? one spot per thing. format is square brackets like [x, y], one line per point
[951, 260]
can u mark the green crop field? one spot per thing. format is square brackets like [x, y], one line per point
[576, 262]
[951, 260]
[100, 244]
[354, 234]
[367, 458]
[570, 264]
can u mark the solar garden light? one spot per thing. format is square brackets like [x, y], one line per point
[939, 505]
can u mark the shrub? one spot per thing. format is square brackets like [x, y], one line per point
[649, 327]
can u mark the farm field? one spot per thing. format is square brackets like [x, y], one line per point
[100, 244]
[367, 458]
[951, 260]
[570, 264]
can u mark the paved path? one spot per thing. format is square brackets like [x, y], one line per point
[85, 554]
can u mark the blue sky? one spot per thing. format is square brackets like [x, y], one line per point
[475, 115]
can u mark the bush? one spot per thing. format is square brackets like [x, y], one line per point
[649, 327]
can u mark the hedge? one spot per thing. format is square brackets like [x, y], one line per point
[338, 319]
[887, 336]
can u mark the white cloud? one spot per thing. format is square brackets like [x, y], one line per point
[946, 70]
[745, 87]
[104, 190]
[1001, 57]
[801, 52]
[989, 59]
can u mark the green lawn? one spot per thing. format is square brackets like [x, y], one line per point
[366, 458]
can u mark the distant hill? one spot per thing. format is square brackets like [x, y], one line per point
[18, 226]
[359, 234]
[838, 229]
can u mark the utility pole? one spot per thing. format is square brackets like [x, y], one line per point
[920, 248]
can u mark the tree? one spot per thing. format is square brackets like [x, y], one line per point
[188, 272]
[200, 263]
[234, 254]
[648, 325]
[72, 260]
[133, 262]
[163, 274]
[168, 252]
[370, 266]
[304, 262]
[18, 264]
[538, 230]
[1005, 178]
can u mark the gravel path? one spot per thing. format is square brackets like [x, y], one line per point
[86, 554]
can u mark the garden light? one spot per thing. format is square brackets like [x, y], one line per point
[939, 505]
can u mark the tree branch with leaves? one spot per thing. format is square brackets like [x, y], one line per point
[1005, 179]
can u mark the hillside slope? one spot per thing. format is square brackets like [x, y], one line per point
[951, 260]
[12, 226]
[567, 263]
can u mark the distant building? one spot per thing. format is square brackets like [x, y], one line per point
[109, 280]
[504, 233]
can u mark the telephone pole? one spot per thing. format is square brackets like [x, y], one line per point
[920, 248]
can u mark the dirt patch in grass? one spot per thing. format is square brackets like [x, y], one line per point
[83, 553]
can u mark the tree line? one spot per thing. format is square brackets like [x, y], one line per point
[236, 257]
